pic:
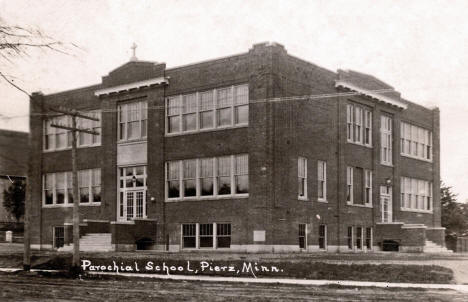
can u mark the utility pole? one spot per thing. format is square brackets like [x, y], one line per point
[75, 268]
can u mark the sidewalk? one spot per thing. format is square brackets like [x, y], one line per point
[456, 287]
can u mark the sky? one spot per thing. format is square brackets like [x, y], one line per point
[418, 47]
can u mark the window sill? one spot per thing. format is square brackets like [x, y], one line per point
[302, 198]
[132, 141]
[322, 200]
[416, 211]
[201, 198]
[359, 144]
[70, 205]
[69, 148]
[415, 157]
[386, 164]
[206, 130]
[369, 206]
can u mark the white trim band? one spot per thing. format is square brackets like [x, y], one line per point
[371, 94]
[134, 85]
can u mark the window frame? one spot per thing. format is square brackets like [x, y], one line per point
[214, 236]
[322, 180]
[302, 177]
[369, 238]
[324, 237]
[122, 110]
[199, 178]
[413, 192]
[302, 234]
[349, 185]
[414, 138]
[386, 140]
[66, 188]
[359, 124]
[48, 130]
[232, 103]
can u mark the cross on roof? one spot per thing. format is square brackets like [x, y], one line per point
[134, 47]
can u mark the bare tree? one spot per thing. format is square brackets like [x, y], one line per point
[19, 41]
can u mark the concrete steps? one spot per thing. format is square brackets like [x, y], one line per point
[93, 242]
[433, 248]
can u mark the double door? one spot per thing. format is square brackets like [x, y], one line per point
[133, 204]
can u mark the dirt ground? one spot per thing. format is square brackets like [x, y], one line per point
[20, 287]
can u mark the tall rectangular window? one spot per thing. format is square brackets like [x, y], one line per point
[369, 239]
[206, 176]
[349, 237]
[87, 139]
[359, 124]
[189, 235]
[206, 110]
[416, 142]
[322, 180]
[386, 140]
[59, 237]
[359, 238]
[174, 109]
[368, 187]
[349, 184]
[302, 177]
[190, 176]
[241, 106]
[212, 109]
[49, 188]
[173, 179]
[60, 186]
[189, 115]
[132, 121]
[223, 235]
[302, 235]
[206, 235]
[322, 236]
[416, 194]
[242, 174]
[224, 175]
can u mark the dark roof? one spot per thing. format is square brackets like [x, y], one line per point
[13, 153]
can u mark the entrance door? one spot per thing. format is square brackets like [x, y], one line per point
[386, 203]
[134, 205]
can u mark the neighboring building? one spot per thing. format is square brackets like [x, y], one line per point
[13, 164]
[260, 151]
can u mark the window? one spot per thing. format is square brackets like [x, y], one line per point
[86, 139]
[190, 178]
[202, 235]
[189, 239]
[223, 235]
[359, 125]
[217, 108]
[349, 184]
[368, 187]
[369, 239]
[359, 238]
[349, 237]
[322, 180]
[241, 174]
[60, 139]
[322, 238]
[302, 177]
[58, 187]
[358, 186]
[206, 110]
[416, 194]
[132, 193]
[302, 236]
[133, 121]
[208, 177]
[206, 235]
[386, 140]
[416, 142]
[59, 237]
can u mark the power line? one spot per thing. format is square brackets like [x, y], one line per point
[257, 101]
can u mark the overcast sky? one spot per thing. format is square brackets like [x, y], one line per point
[419, 47]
